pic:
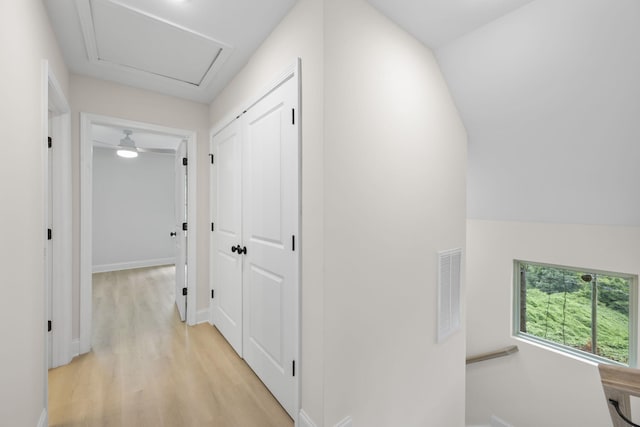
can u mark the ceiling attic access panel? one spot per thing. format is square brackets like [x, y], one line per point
[124, 38]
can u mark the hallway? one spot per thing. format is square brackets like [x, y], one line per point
[149, 369]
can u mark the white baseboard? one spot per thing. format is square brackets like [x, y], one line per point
[202, 316]
[304, 420]
[75, 348]
[103, 268]
[347, 422]
[43, 421]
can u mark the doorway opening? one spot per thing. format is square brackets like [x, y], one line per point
[178, 149]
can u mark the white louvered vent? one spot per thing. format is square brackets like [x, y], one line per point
[449, 264]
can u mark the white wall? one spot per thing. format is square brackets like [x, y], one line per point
[394, 178]
[549, 95]
[382, 145]
[133, 210]
[537, 386]
[298, 35]
[26, 39]
[89, 95]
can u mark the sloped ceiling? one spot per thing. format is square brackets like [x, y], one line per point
[550, 97]
[193, 48]
[189, 48]
[438, 22]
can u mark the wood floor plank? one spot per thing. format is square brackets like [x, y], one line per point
[147, 368]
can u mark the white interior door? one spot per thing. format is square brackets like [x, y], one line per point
[227, 302]
[180, 232]
[270, 228]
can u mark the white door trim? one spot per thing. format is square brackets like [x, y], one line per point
[57, 124]
[180, 237]
[86, 219]
[291, 72]
[57, 283]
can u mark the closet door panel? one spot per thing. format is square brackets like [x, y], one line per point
[270, 222]
[227, 263]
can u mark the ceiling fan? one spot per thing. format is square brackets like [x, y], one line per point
[128, 148]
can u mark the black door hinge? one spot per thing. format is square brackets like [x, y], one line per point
[184, 226]
[293, 116]
[49, 234]
[293, 243]
[213, 293]
[49, 325]
[184, 291]
[213, 227]
[293, 368]
[184, 161]
[211, 157]
[49, 142]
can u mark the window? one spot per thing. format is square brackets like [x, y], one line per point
[585, 312]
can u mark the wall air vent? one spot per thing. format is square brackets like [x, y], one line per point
[130, 40]
[449, 292]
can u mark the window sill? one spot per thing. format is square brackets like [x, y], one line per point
[578, 356]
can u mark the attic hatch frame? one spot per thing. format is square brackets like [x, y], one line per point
[86, 19]
[87, 120]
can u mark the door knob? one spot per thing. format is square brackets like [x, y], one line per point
[240, 249]
[172, 234]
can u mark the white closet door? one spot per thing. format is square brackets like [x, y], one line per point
[181, 235]
[227, 304]
[270, 225]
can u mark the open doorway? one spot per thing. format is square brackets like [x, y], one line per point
[139, 204]
[157, 148]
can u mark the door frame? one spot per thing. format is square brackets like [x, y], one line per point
[59, 299]
[181, 236]
[86, 218]
[57, 283]
[291, 72]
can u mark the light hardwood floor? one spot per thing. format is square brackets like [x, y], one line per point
[149, 369]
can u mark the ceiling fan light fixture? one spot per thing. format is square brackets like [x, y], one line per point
[127, 154]
[127, 147]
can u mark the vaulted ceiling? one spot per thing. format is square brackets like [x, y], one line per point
[438, 22]
[550, 97]
[193, 48]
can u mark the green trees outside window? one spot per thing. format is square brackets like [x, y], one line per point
[586, 311]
